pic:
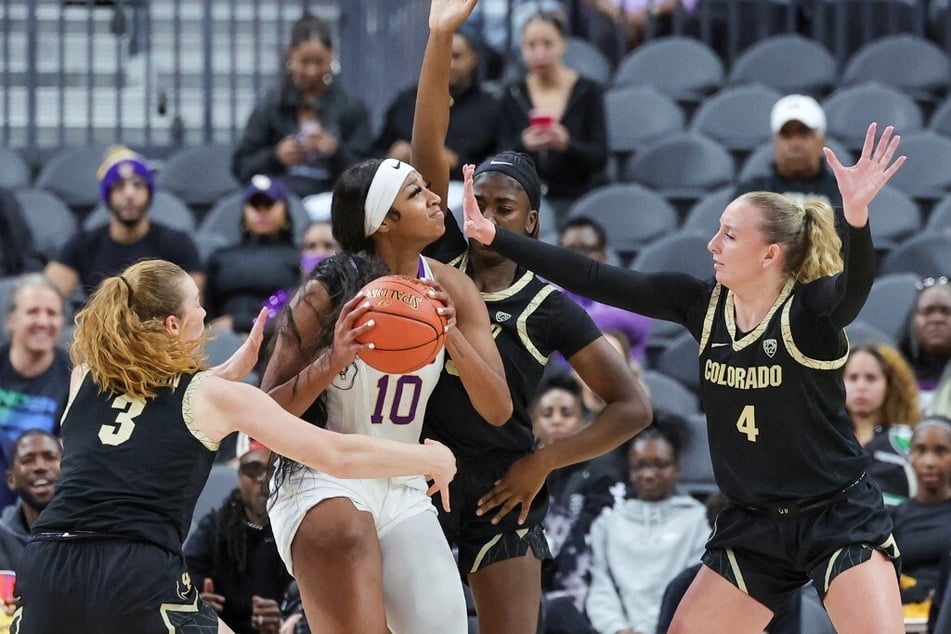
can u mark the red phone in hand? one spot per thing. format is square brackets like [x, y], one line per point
[540, 119]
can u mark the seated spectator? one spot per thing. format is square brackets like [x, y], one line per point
[241, 277]
[587, 236]
[317, 244]
[308, 129]
[232, 555]
[499, 25]
[473, 113]
[577, 494]
[34, 469]
[634, 16]
[927, 342]
[555, 115]
[18, 252]
[921, 523]
[642, 543]
[34, 370]
[127, 186]
[799, 169]
[882, 400]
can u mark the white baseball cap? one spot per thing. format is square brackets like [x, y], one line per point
[800, 108]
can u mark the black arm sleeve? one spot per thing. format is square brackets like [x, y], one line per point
[842, 296]
[667, 296]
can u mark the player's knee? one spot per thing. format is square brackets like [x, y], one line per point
[336, 535]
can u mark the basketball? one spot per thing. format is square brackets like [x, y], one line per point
[408, 332]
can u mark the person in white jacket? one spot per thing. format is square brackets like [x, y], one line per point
[641, 544]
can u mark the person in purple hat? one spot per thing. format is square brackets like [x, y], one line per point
[243, 276]
[127, 187]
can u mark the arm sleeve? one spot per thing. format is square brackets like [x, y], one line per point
[841, 297]
[603, 605]
[667, 296]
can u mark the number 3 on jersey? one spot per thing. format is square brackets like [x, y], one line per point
[746, 423]
[120, 430]
[400, 403]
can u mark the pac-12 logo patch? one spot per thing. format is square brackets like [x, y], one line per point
[501, 316]
[769, 347]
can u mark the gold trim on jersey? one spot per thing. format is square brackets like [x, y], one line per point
[189, 418]
[483, 552]
[754, 334]
[799, 357]
[460, 262]
[165, 608]
[735, 567]
[522, 323]
[829, 568]
[708, 318]
[72, 397]
[505, 293]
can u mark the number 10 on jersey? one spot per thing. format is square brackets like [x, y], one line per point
[399, 403]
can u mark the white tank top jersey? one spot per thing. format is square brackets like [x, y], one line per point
[362, 400]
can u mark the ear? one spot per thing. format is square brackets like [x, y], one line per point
[10, 483]
[531, 223]
[773, 256]
[173, 325]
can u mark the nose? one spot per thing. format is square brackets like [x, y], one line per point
[712, 245]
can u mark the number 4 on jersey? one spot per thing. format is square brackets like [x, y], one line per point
[746, 423]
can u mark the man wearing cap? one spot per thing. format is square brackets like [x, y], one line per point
[126, 186]
[799, 169]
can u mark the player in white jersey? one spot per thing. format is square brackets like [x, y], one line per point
[369, 554]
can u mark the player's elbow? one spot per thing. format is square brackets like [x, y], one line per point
[499, 413]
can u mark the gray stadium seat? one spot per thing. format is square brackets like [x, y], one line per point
[70, 175]
[166, 209]
[680, 361]
[670, 396]
[893, 217]
[632, 215]
[850, 110]
[222, 479]
[682, 67]
[923, 255]
[637, 116]
[910, 63]
[585, 58]
[14, 172]
[926, 175]
[199, 175]
[704, 216]
[767, 63]
[863, 334]
[813, 618]
[939, 220]
[682, 251]
[696, 467]
[940, 120]
[737, 117]
[889, 303]
[51, 222]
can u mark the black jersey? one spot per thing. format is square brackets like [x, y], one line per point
[774, 397]
[530, 320]
[131, 468]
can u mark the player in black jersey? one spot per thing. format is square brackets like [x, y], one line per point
[140, 434]
[499, 499]
[772, 346]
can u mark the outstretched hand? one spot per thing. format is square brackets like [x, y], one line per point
[475, 224]
[860, 183]
[449, 14]
[240, 364]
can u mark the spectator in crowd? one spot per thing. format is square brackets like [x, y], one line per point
[555, 115]
[17, 249]
[799, 169]
[34, 469]
[641, 544]
[499, 24]
[927, 342]
[882, 400]
[34, 370]
[232, 555]
[474, 113]
[921, 523]
[127, 186]
[588, 237]
[317, 244]
[577, 494]
[241, 277]
[633, 17]
[308, 129]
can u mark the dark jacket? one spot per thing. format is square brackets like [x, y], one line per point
[275, 116]
[14, 534]
[473, 125]
[571, 173]
[17, 248]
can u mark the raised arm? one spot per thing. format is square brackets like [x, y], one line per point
[431, 120]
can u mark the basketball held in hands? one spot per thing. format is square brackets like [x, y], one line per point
[408, 332]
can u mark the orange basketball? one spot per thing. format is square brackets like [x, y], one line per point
[408, 332]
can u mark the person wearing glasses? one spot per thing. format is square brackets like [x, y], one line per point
[927, 342]
[242, 276]
[232, 556]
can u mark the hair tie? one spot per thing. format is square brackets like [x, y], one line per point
[128, 286]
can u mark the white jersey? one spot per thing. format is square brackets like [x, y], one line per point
[362, 400]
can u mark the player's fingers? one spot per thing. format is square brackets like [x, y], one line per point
[510, 504]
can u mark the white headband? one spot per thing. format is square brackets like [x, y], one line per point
[386, 186]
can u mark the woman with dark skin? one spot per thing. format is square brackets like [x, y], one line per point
[496, 513]
[770, 324]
